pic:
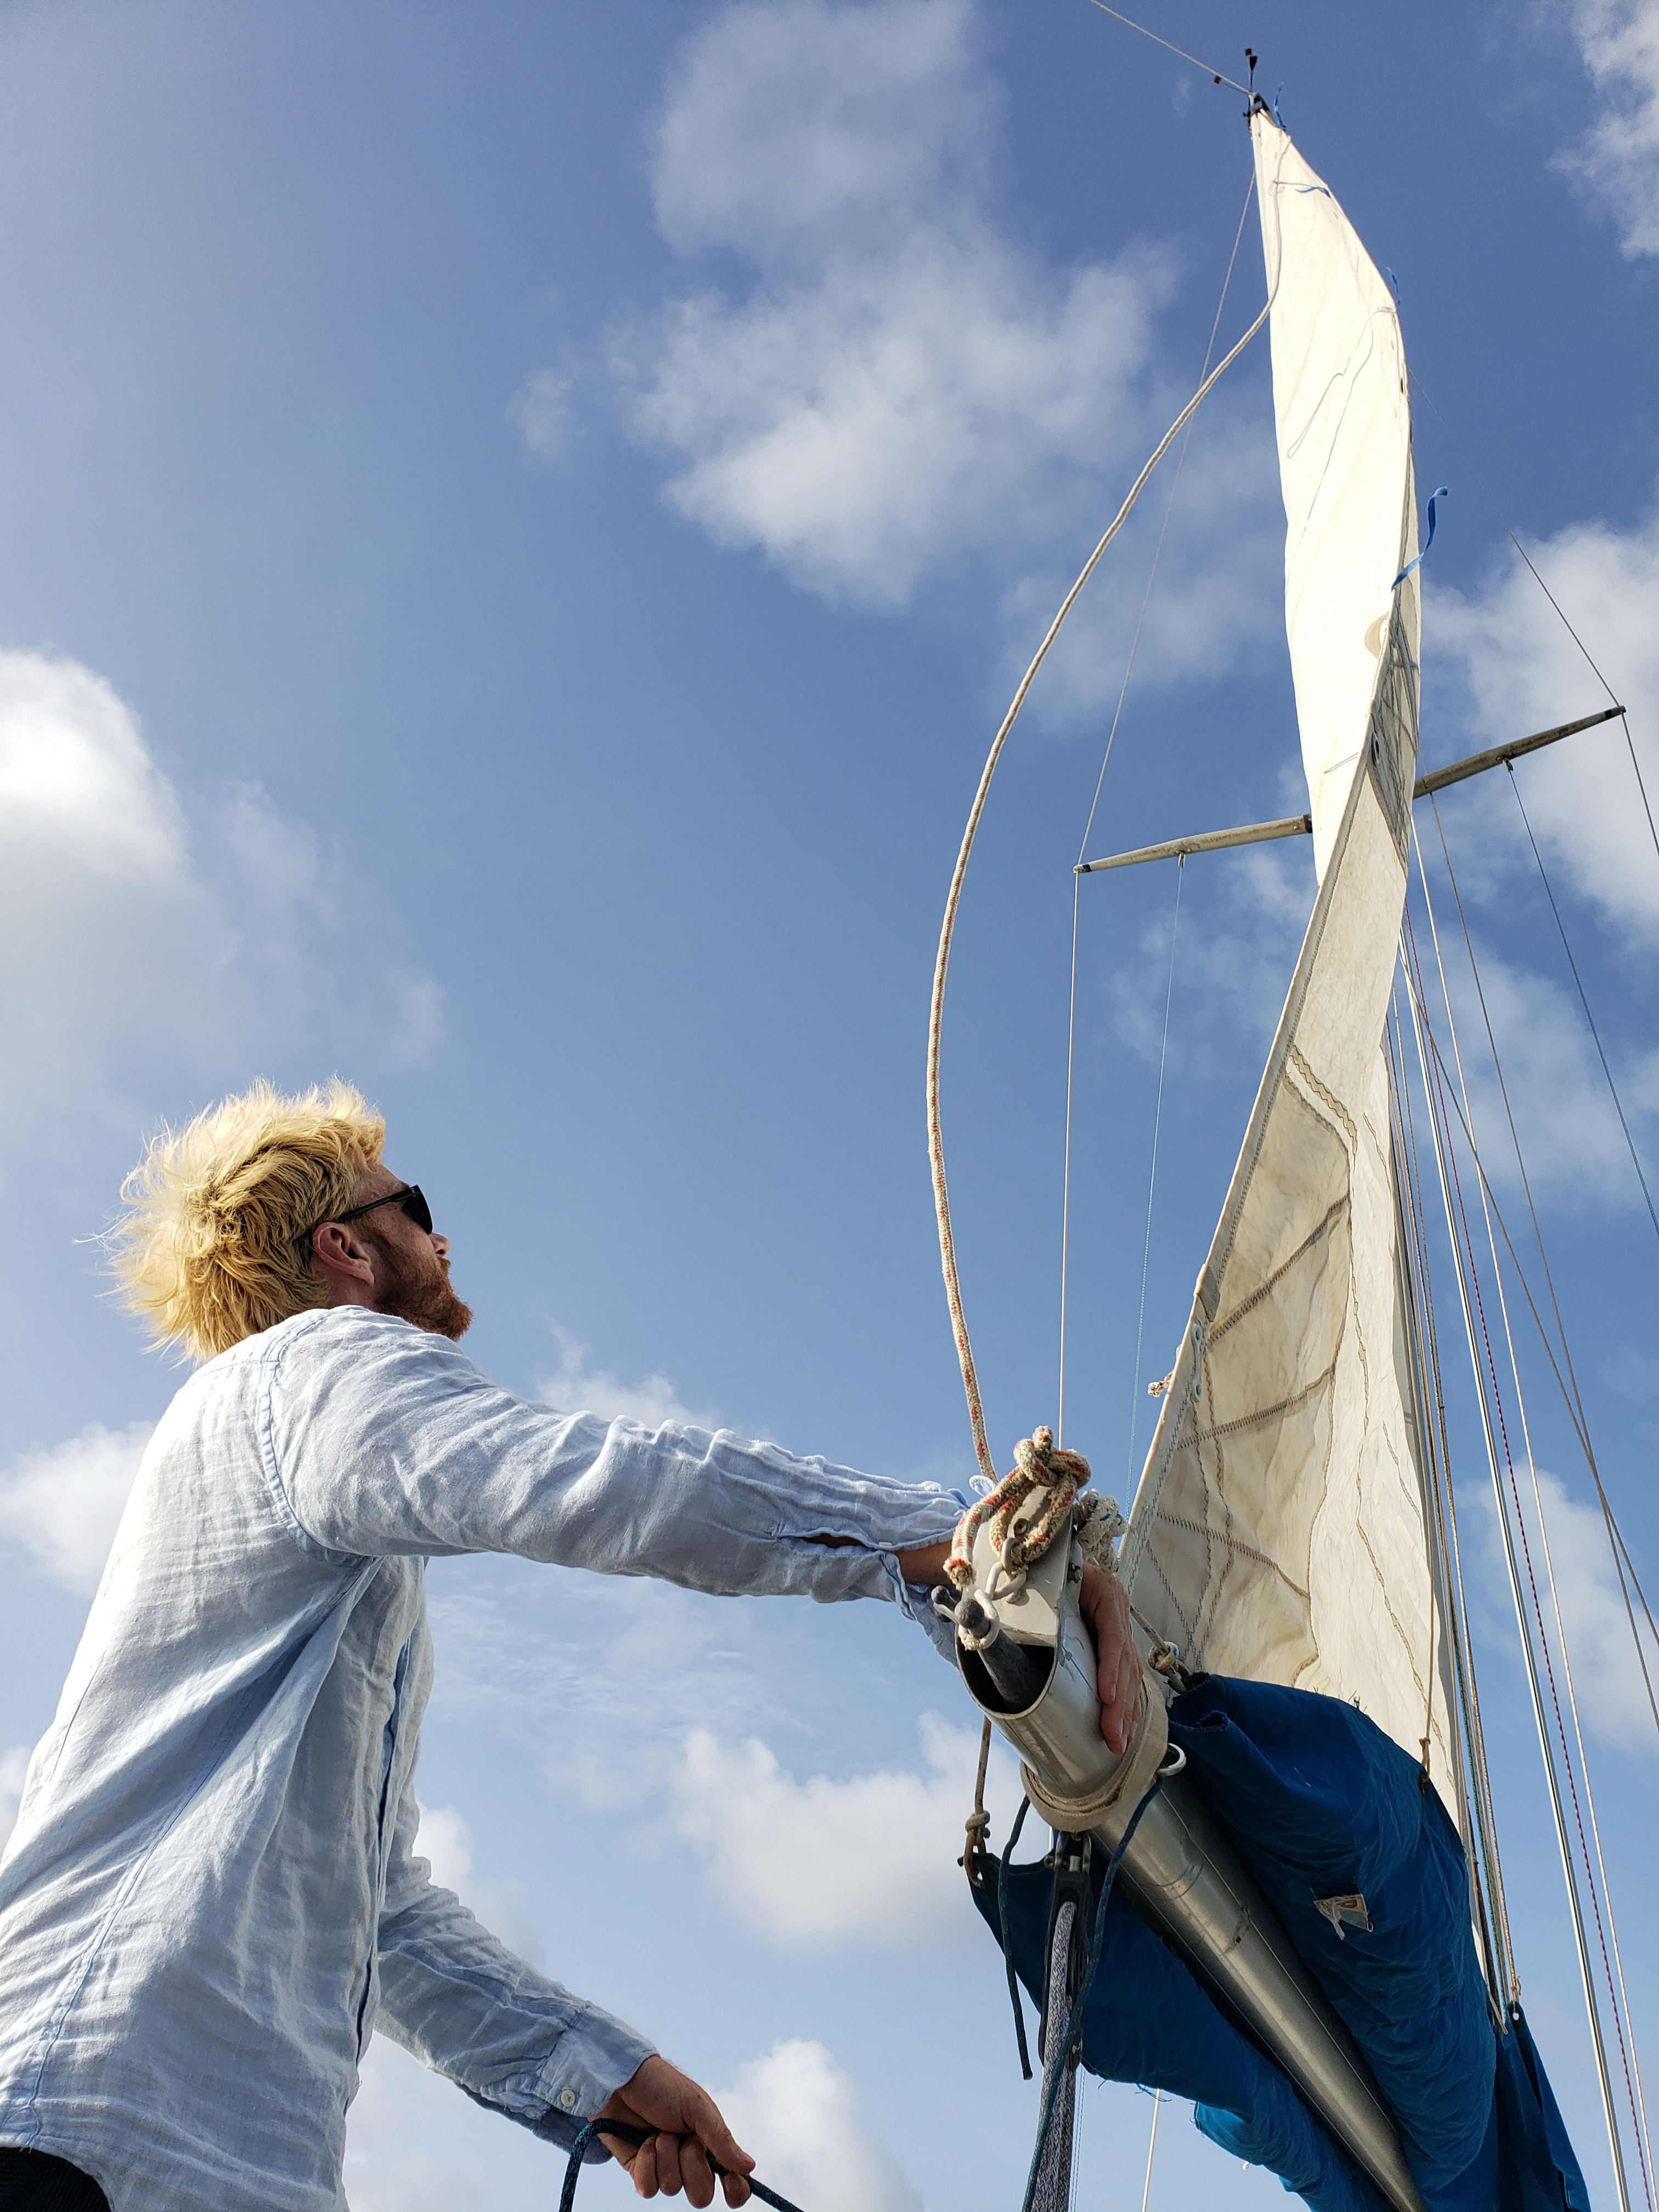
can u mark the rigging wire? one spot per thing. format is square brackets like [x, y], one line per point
[1151, 2145]
[1474, 1779]
[1516, 1528]
[1570, 1397]
[1083, 843]
[1615, 1969]
[1152, 1178]
[1590, 661]
[1615, 1538]
[1220, 75]
[947, 928]
[1635, 1159]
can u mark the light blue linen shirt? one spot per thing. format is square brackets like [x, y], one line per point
[211, 1896]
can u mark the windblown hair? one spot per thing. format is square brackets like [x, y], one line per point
[214, 1245]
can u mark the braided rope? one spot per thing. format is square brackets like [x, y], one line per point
[1041, 1471]
[947, 929]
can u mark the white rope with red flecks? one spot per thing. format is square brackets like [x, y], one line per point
[941, 966]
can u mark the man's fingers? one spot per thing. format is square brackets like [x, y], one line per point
[698, 2174]
[669, 2180]
[736, 2188]
[642, 2169]
[712, 2128]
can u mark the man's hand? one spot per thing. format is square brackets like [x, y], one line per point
[689, 2129]
[1105, 1606]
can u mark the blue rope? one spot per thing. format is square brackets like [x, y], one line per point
[1074, 2026]
[625, 2133]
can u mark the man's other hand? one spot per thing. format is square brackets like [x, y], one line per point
[1105, 1606]
[689, 2131]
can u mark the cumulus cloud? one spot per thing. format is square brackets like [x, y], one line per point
[870, 1859]
[414, 2144]
[795, 2112]
[13, 1766]
[1613, 1700]
[1565, 1115]
[1522, 672]
[1235, 956]
[1618, 159]
[576, 1386]
[146, 928]
[902, 385]
[444, 1840]
[61, 1505]
[541, 414]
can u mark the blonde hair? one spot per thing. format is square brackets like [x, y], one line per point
[214, 1245]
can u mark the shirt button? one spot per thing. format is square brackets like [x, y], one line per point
[567, 2098]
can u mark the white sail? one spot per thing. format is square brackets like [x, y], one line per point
[1279, 1532]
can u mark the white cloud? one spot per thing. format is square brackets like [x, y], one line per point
[444, 1840]
[414, 2144]
[795, 2112]
[1234, 958]
[871, 1859]
[1523, 672]
[61, 1505]
[1612, 1701]
[903, 383]
[540, 412]
[577, 1386]
[1569, 1128]
[144, 930]
[13, 1766]
[1618, 157]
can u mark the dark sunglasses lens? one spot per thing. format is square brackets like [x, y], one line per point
[415, 1208]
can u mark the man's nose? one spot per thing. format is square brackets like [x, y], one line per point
[440, 1243]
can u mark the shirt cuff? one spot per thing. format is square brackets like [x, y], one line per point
[590, 2061]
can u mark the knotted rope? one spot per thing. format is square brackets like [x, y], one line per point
[1049, 1479]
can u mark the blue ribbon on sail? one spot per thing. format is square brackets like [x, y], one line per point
[1440, 491]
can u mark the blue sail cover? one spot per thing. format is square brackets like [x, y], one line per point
[1321, 1804]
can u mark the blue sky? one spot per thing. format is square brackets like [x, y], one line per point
[519, 524]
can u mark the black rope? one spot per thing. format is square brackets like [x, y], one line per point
[626, 2133]
[1074, 2026]
[1007, 1940]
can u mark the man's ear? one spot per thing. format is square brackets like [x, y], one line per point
[339, 1256]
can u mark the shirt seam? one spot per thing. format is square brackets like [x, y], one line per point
[264, 1416]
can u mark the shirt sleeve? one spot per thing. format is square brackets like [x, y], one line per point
[381, 1439]
[464, 2005]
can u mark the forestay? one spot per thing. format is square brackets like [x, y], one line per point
[1278, 1531]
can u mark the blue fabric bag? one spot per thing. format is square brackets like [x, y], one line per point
[1321, 1805]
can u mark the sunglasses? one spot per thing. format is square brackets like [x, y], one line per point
[410, 1199]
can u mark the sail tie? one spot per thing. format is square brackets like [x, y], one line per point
[1440, 491]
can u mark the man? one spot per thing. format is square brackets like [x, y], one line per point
[212, 1897]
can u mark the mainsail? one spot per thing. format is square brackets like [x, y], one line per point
[1280, 1531]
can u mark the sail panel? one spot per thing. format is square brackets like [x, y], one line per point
[1344, 416]
[1280, 1532]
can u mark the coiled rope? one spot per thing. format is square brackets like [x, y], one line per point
[625, 2132]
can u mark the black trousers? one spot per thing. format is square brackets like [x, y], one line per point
[30, 2181]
